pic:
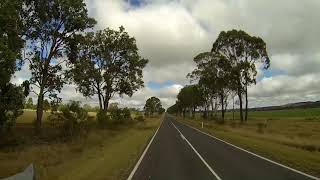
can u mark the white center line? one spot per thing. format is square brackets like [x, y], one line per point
[183, 137]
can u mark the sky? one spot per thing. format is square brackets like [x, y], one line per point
[171, 32]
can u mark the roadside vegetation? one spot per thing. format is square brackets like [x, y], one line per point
[218, 98]
[222, 74]
[290, 136]
[73, 140]
[98, 153]
[68, 139]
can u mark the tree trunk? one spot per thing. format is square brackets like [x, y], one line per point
[184, 113]
[205, 112]
[222, 106]
[100, 101]
[99, 96]
[39, 112]
[240, 101]
[194, 112]
[233, 108]
[106, 102]
[212, 109]
[246, 94]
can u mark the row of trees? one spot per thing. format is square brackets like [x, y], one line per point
[51, 106]
[55, 37]
[227, 70]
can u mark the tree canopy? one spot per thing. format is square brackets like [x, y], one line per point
[228, 69]
[108, 63]
[189, 98]
[11, 42]
[242, 51]
[153, 105]
[53, 26]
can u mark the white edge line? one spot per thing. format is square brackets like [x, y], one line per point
[261, 157]
[143, 154]
[211, 170]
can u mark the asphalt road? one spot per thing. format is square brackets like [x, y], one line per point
[180, 152]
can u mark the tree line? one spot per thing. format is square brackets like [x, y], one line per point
[56, 39]
[223, 73]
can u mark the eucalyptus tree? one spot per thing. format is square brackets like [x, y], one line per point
[11, 42]
[243, 52]
[184, 97]
[190, 97]
[153, 105]
[54, 23]
[214, 73]
[108, 63]
[173, 109]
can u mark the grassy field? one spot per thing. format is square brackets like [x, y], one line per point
[307, 114]
[291, 137]
[30, 115]
[101, 154]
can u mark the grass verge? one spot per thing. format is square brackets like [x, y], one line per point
[102, 154]
[269, 144]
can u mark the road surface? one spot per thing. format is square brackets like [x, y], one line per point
[178, 151]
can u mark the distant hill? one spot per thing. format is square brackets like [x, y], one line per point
[307, 104]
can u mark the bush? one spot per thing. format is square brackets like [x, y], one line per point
[120, 116]
[117, 116]
[139, 118]
[103, 119]
[72, 119]
[261, 127]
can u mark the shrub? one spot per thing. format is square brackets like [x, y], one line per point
[103, 119]
[72, 119]
[126, 114]
[139, 118]
[261, 127]
[120, 116]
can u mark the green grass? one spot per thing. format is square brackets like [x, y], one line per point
[102, 154]
[288, 113]
[291, 137]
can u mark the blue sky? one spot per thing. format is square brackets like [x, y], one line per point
[156, 86]
[135, 2]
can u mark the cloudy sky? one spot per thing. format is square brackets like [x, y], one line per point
[171, 32]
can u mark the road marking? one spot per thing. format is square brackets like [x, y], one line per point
[143, 154]
[184, 138]
[256, 155]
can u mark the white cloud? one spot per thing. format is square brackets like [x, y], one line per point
[171, 32]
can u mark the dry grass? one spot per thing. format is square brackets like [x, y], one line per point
[101, 154]
[29, 116]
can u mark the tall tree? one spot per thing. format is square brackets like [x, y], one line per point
[243, 51]
[153, 104]
[11, 32]
[190, 97]
[214, 73]
[108, 63]
[54, 24]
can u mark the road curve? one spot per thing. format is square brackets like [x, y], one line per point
[180, 152]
